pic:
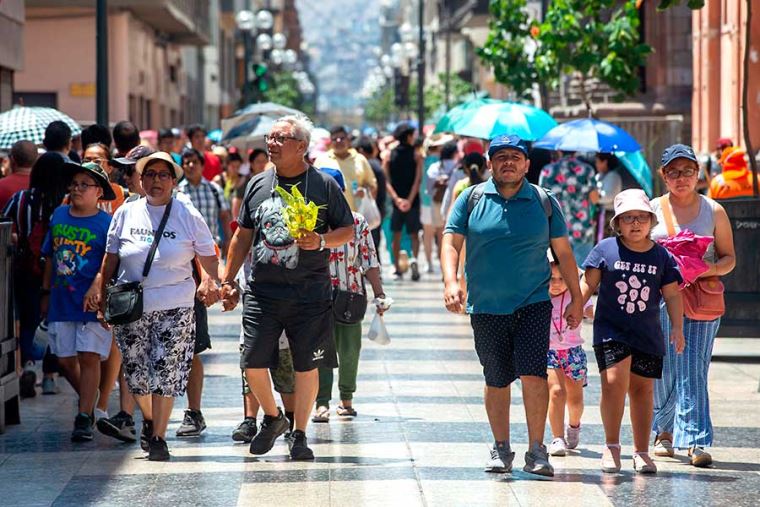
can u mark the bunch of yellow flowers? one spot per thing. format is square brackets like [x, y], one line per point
[299, 216]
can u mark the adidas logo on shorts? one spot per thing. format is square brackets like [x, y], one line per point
[318, 354]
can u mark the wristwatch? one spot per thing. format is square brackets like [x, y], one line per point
[321, 242]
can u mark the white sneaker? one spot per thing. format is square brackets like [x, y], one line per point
[558, 447]
[573, 437]
[500, 461]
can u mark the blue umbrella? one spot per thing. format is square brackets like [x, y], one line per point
[215, 135]
[588, 134]
[492, 118]
[637, 166]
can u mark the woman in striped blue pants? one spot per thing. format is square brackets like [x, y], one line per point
[681, 401]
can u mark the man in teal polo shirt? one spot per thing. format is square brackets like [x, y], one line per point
[508, 233]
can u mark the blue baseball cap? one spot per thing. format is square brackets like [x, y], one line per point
[677, 151]
[507, 142]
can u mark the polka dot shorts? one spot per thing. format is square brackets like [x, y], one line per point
[514, 345]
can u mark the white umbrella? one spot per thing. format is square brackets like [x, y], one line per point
[29, 124]
[243, 121]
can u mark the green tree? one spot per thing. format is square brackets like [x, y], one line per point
[380, 107]
[504, 50]
[435, 95]
[693, 4]
[281, 88]
[592, 38]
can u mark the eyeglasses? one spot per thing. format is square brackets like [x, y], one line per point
[81, 186]
[277, 139]
[98, 161]
[338, 139]
[675, 173]
[642, 219]
[161, 176]
[188, 163]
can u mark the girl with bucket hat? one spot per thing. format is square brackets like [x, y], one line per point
[633, 274]
[73, 249]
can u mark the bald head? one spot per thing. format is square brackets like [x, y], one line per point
[23, 155]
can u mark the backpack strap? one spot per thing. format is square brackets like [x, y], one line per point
[542, 193]
[475, 194]
[212, 186]
[546, 203]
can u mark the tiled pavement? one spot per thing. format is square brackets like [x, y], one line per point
[420, 439]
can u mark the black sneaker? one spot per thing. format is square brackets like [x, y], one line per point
[299, 450]
[82, 428]
[415, 270]
[271, 428]
[26, 384]
[289, 439]
[192, 425]
[245, 431]
[158, 450]
[121, 427]
[146, 433]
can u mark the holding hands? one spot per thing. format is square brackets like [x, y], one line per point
[230, 295]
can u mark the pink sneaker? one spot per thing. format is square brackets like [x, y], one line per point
[573, 436]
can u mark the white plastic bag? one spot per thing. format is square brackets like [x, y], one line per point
[368, 208]
[377, 331]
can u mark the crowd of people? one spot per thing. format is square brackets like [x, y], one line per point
[121, 247]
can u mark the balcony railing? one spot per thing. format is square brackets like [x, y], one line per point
[182, 21]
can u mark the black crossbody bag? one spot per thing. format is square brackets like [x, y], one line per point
[349, 307]
[124, 302]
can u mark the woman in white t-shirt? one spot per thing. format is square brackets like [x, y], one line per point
[157, 349]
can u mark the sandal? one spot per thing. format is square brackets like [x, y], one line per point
[611, 459]
[321, 415]
[345, 411]
[643, 464]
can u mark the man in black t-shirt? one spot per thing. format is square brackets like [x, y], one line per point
[289, 288]
[404, 173]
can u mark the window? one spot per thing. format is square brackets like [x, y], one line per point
[34, 99]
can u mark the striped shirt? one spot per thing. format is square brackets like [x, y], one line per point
[208, 198]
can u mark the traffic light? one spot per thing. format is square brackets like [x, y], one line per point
[260, 77]
[401, 90]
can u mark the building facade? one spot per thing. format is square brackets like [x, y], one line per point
[152, 81]
[11, 48]
[720, 29]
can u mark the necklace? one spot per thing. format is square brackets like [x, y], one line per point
[276, 182]
[554, 324]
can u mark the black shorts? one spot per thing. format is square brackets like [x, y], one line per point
[308, 326]
[283, 377]
[514, 345]
[202, 337]
[642, 364]
[410, 219]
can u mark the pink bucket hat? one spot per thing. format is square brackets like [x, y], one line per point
[633, 199]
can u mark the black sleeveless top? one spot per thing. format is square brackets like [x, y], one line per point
[402, 170]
